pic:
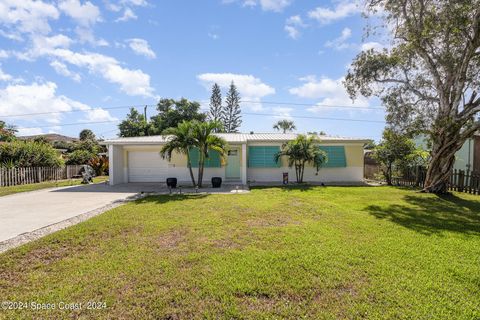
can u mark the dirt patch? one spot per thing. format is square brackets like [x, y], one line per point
[171, 239]
[277, 221]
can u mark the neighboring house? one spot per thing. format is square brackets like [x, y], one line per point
[467, 158]
[251, 158]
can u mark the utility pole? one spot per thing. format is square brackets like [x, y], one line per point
[145, 112]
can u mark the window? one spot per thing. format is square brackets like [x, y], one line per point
[233, 153]
[335, 156]
[263, 157]
[213, 160]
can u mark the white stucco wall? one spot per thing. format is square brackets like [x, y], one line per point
[116, 164]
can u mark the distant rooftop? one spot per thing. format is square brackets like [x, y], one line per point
[235, 138]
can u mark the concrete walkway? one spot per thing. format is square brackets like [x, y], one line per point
[25, 212]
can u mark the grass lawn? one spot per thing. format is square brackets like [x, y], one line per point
[322, 253]
[48, 184]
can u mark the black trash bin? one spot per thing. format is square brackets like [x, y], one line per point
[216, 182]
[172, 182]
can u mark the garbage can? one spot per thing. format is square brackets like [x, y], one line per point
[285, 178]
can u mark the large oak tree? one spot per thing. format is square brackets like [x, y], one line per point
[429, 78]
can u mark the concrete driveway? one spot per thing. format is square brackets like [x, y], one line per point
[25, 212]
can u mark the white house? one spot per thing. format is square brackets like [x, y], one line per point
[250, 159]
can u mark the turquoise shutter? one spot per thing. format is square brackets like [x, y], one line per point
[263, 156]
[213, 160]
[335, 156]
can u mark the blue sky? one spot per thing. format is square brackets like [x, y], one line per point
[94, 58]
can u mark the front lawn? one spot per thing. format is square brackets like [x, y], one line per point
[320, 253]
[43, 185]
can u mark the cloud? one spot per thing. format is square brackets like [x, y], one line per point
[376, 46]
[128, 14]
[141, 47]
[98, 114]
[4, 76]
[330, 91]
[132, 82]
[341, 43]
[250, 88]
[31, 131]
[85, 14]
[266, 5]
[36, 98]
[282, 112]
[342, 10]
[293, 26]
[63, 70]
[27, 16]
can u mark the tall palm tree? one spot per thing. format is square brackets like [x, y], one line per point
[284, 125]
[181, 140]
[300, 151]
[205, 140]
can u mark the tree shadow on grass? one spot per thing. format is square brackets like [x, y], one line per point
[432, 215]
[164, 198]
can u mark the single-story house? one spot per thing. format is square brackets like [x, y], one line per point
[250, 159]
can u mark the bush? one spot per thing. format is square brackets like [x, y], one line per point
[100, 165]
[29, 154]
[80, 157]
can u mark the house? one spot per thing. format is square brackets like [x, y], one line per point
[250, 159]
[467, 158]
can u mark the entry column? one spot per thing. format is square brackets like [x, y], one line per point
[244, 163]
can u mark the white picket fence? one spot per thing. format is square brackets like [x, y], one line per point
[19, 176]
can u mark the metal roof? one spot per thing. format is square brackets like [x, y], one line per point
[234, 138]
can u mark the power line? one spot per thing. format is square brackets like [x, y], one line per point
[153, 105]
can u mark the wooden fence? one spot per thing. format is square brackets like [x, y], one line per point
[18, 176]
[460, 180]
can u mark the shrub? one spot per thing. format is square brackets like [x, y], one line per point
[29, 154]
[100, 165]
[80, 157]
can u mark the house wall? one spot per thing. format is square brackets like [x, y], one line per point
[353, 172]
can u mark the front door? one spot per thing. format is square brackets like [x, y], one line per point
[233, 164]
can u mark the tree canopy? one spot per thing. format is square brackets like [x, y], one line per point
[232, 117]
[284, 125]
[172, 112]
[429, 78]
[135, 125]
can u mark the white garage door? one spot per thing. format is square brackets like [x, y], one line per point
[146, 167]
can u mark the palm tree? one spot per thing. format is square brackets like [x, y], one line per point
[181, 141]
[205, 140]
[284, 125]
[300, 151]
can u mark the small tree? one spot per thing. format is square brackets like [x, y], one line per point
[135, 125]
[304, 149]
[7, 132]
[205, 140]
[172, 112]
[181, 141]
[394, 148]
[231, 115]
[215, 113]
[284, 125]
[87, 134]
[80, 156]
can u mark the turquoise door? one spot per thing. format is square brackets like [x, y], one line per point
[232, 170]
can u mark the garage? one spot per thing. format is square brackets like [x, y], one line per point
[147, 167]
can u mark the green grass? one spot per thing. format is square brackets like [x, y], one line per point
[43, 185]
[320, 253]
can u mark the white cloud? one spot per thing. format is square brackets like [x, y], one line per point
[293, 26]
[27, 16]
[63, 70]
[133, 82]
[128, 14]
[85, 14]
[98, 114]
[141, 47]
[250, 88]
[342, 10]
[266, 5]
[341, 43]
[214, 36]
[5, 76]
[31, 131]
[331, 92]
[36, 98]
[376, 46]
[85, 35]
[282, 112]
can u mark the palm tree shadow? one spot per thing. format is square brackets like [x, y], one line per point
[432, 215]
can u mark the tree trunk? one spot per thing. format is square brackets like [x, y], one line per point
[201, 165]
[388, 174]
[440, 167]
[302, 170]
[189, 165]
